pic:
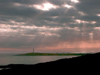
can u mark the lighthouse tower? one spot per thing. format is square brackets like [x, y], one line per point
[33, 50]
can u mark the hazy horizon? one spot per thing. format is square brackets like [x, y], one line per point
[49, 26]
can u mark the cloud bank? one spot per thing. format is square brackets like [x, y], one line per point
[50, 25]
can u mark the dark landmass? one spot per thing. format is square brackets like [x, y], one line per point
[53, 54]
[83, 65]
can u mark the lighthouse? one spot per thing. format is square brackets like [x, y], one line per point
[33, 50]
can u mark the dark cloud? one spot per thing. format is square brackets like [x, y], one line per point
[91, 10]
[20, 41]
[22, 1]
[32, 16]
[24, 26]
[72, 35]
[90, 7]
[56, 2]
[90, 18]
[60, 2]
[22, 11]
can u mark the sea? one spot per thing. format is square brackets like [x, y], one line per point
[6, 59]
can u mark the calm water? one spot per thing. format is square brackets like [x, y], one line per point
[6, 59]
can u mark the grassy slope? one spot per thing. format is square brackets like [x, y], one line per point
[53, 54]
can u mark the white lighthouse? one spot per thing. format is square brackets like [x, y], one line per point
[33, 50]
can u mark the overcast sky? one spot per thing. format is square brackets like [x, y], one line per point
[50, 25]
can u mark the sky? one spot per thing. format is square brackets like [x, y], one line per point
[50, 25]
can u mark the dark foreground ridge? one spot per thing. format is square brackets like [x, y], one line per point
[83, 65]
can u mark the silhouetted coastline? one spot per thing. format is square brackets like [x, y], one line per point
[86, 64]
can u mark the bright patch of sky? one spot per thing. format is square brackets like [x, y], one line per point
[46, 6]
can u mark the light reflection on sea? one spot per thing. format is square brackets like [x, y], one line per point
[6, 59]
